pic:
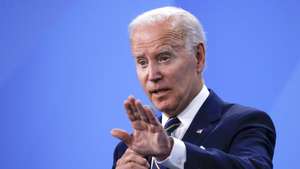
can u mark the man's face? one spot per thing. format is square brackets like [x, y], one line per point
[168, 72]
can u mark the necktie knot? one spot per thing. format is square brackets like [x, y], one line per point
[172, 125]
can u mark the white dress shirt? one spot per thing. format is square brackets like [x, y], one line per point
[177, 156]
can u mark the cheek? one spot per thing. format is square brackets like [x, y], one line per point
[179, 90]
[182, 79]
[143, 82]
[141, 76]
[187, 72]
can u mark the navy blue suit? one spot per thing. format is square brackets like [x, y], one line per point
[234, 137]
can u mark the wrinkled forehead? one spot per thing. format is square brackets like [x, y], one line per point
[156, 36]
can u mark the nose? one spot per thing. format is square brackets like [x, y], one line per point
[154, 73]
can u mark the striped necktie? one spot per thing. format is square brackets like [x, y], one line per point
[170, 126]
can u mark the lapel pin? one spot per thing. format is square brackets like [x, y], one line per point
[199, 131]
[202, 147]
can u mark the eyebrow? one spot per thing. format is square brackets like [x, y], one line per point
[140, 56]
[164, 49]
[163, 52]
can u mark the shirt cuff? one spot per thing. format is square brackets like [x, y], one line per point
[177, 157]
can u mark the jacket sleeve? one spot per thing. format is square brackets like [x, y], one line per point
[118, 152]
[251, 147]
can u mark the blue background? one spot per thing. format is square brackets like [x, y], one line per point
[66, 67]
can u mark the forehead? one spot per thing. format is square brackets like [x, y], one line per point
[155, 37]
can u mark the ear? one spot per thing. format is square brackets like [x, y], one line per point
[200, 56]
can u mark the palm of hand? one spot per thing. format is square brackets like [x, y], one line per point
[148, 139]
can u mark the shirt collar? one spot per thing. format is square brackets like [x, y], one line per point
[188, 114]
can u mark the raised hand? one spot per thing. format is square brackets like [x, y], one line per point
[148, 137]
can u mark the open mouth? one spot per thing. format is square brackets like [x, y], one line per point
[159, 92]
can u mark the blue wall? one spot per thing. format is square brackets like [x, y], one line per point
[66, 67]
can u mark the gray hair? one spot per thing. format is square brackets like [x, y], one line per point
[179, 18]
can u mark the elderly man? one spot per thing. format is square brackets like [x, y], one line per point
[197, 130]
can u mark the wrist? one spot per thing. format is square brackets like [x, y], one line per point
[167, 153]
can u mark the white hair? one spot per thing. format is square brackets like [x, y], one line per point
[179, 18]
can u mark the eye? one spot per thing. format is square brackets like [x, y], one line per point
[164, 58]
[142, 62]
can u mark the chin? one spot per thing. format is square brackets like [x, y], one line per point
[164, 106]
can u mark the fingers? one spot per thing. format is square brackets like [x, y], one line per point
[130, 155]
[150, 116]
[131, 112]
[136, 111]
[122, 135]
[131, 160]
[141, 111]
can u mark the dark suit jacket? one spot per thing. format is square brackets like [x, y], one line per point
[234, 137]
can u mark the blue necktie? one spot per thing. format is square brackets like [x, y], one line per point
[170, 126]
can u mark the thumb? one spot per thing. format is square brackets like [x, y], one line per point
[122, 135]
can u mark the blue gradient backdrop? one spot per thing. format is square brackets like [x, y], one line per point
[66, 67]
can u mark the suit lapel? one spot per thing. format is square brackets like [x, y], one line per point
[209, 112]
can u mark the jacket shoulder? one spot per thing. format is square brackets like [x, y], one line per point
[244, 116]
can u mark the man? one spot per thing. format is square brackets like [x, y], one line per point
[201, 131]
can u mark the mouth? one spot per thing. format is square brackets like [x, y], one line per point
[159, 92]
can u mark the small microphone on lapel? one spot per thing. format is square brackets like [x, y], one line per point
[202, 147]
[199, 131]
